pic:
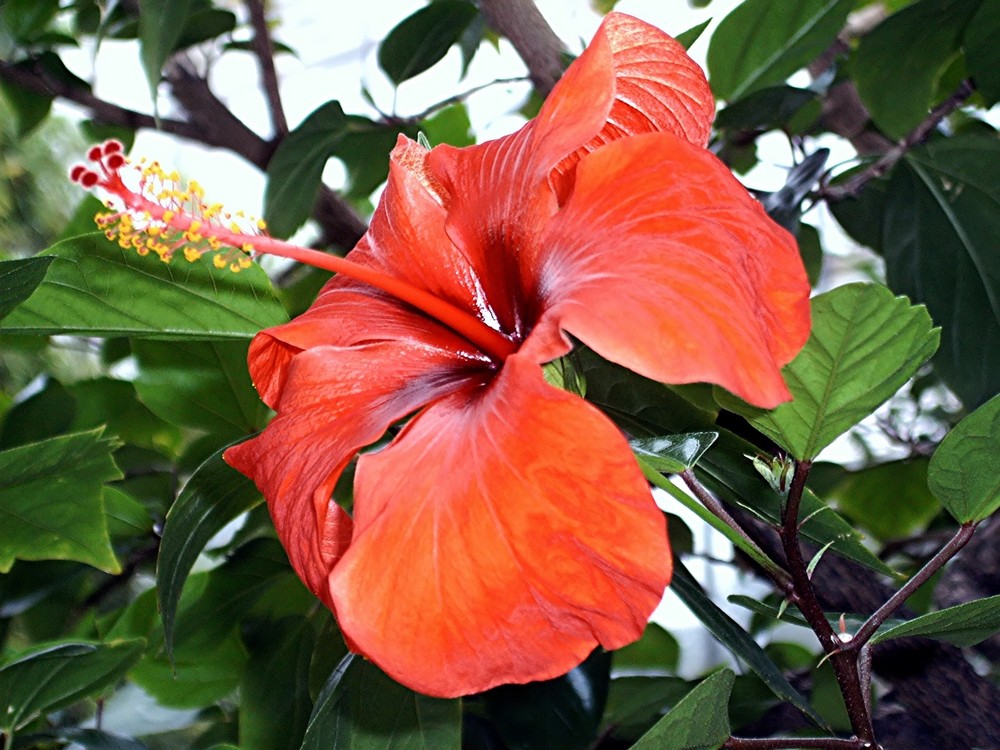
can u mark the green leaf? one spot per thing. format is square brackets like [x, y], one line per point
[689, 37]
[764, 109]
[26, 19]
[450, 125]
[213, 496]
[559, 714]
[94, 288]
[672, 454]
[963, 625]
[18, 279]
[865, 344]
[59, 675]
[939, 242]
[89, 739]
[161, 23]
[699, 722]
[728, 632]
[982, 56]
[360, 708]
[861, 496]
[423, 38]
[964, 473]
[30, 109]
[762, 42]
[45, 414]
[201, 384]
[656, 651]
[899, 63]
[51, 505]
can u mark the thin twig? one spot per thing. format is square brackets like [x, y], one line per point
[853, 186]
[264, 50]
[460, 98]
[793, 743]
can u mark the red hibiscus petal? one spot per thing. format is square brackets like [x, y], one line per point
[661, 261]
[492, 545]
[336, 401]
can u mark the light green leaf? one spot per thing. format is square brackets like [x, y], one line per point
[672, 454]
[362, 709]
[161, 23]
[964, 472]
[51, 501]
[423, 38]
[59, 675]
[213, 496]
[963, 625]
[18, 279]
[94, 288]
[699, 722]
[865, 344]
[762, 42]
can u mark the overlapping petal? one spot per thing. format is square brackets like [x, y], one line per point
[662, 262]
[492, 545]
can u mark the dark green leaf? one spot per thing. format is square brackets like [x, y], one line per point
[762, 42]
[964, 472]
[728, 632]
[559, 714]
[362, 709]
[939, 240]
[161, 23]
[861, 216]
[58, 675]
[94, 288]
[764, 109]
[51, 501]
[656, 651]
[898, 64]
[636, 703]
[30, 110]
[982, 54]
[862, 497]
[90, 739]
[423, 38]
[963, 625]
[672, 454]
[213, 496]
[689, 37]
[810, 250]
[699, 722]
[26, 19]
[45, 414]
[205, 24]
[114, 404]
[865, 344]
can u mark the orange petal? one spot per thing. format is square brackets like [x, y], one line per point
[661, 261]
[336, 401]
[504, 534]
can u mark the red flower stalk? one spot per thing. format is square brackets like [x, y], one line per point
[506, 531]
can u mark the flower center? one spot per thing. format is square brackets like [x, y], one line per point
[159, 216]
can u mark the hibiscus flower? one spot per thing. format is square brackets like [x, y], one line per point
[506, 530]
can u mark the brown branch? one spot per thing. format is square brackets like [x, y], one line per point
[535, 41]
[793, 743]
[264, 50]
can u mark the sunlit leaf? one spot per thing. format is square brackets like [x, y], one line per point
[963, 625]
[672, 454]
[699, 722]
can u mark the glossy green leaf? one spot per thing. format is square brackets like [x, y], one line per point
[57, 675]
[161, 23]
[362, 709]
[699, 722]
[899, 63]
[964, 471]
[94, 288]
[865, 344]
[861, 496]
[559, 714]
[963, 625]
[201, 384]
[762, 42]
[672, 454]
[423, 38]
[939, 243]
[213, 496]
[982, 54]
[51, 505]
[18, 279]
[728, 632]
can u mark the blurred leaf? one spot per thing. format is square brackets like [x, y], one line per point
[51, 501]
[982, 55]
[360, 708]
[898, 64]
[963, 625]
[213, 496]
[865, 344]
[45, 414]
[89, 739]
[940, 232]
[202, 384]
[161, 23]
[692, 35]
[636, 703]
[964, 471]
[204, 24]
[115, 405]
[30, 110]
[450, 125]
[559, 714]
[764, 109]
[423, 38]
[94, 288]
[672, 454]
[699, 722]
[57, 675]
[26, 19]
[762, 42]
[656, 651]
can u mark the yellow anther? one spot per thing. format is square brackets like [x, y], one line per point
[261, 224]
[142, 251]
[168, 216]
[191, 255]
[246, 247]
[214, 243]
[234, 267]
[219, 262]
[245, 262]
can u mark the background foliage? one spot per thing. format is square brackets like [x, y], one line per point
[121, 379]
